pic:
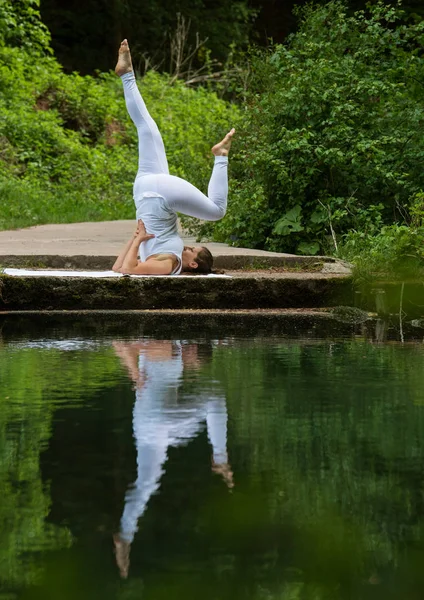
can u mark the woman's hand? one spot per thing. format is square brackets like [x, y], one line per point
[128, 257]
[141, 234]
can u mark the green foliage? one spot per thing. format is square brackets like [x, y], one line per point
[331, 138]
[21, 26]
[328, 154]
[149, 24]
[390, 251]
[68, 150]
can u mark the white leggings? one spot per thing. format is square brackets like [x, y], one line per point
[153, 174]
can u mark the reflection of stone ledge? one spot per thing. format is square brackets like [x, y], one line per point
[250, 291]
[309, 326]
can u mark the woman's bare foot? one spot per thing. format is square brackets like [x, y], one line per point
[124, 64]
[223, 148]
[122, 554]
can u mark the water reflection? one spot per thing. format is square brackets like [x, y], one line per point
[326, 438]
[161, 420]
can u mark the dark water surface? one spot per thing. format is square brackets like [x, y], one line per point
[210, 466]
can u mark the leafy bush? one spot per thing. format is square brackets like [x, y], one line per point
[68, 150]
[20, 25]
[332, 132]
[389, 251]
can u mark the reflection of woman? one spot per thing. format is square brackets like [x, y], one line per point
[160, 422]
[159, 196]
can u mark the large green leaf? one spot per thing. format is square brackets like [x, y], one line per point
[290, 222]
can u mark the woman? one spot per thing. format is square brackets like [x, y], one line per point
[164, 417]
[159, 196]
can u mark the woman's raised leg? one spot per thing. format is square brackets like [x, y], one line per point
[183, 197]
[152, 156]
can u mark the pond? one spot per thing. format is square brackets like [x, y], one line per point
[209, 463]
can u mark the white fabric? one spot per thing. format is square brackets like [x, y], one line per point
[158, 196]
[66, 345]
[162, 222]
[216, 422]
[160, 421]
[52, 273]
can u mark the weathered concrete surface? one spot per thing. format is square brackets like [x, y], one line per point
[288, 290]
[258, 283]
[299, 326]
[104, 238]
[95, 246]
[227, 262]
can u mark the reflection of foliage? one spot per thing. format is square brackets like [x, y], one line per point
[322, 428]
[32, 383]
[325, 442]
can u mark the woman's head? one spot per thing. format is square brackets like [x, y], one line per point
[197, 260]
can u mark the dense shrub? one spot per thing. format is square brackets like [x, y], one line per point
[68, 150]
[388, 251]
[21, 26]
[332, 132]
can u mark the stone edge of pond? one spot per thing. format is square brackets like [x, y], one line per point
[253, 292]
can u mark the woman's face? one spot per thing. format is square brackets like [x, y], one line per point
[189, 255]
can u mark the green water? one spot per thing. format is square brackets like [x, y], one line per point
[316, 490]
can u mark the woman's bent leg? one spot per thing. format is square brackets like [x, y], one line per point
[183, 197]
[152, 156]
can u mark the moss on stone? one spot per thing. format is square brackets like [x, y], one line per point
[37, 293]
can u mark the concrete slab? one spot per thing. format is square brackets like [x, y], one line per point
[265, 279]
[94, 246]
[312, 290]
[104, 238]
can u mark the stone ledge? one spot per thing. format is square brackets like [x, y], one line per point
[96, 263]
[250, 292]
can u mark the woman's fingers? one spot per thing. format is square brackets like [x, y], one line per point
[141, 231]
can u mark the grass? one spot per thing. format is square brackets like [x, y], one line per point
[24, 205]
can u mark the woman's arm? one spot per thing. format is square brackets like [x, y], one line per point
[140, 235]
[118, 262]
[149, 267]
[131, 258]
[129, 353]
[127, 262]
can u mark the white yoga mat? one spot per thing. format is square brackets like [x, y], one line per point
[93, 274]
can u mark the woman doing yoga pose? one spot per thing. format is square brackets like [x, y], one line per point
[158, 196]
